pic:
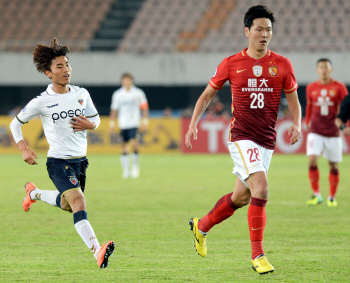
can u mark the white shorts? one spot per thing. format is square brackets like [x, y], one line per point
[249, 158]
[329, 147]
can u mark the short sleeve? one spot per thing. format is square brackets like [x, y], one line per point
[90, 110]
[344, 113]
[29, 111]
[220, 75]
[114, 104]
[289, 83]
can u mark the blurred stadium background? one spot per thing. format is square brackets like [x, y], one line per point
[172, 47]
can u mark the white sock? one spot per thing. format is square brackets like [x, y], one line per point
[86, 232]
[124, 160]
[135, 159]
[46, 196]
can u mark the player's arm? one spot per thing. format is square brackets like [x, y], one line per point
[83, 123]
[28, 154]
[295, 110]
[201, 105]
[90, 121]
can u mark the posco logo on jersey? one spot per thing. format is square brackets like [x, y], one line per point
[68, 114]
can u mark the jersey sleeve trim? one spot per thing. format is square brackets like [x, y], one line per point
[214, 85]
[20, 120]
[292, 89]
[92, 116]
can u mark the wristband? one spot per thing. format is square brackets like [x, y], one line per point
[342, 127]
[111, 124]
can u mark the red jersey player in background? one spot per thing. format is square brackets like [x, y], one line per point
[323, 101]
[257, 77]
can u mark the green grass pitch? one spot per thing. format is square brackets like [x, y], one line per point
[147, 218]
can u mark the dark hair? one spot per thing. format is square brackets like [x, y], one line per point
[323, 60]
[43, 55]
[127, 75]
[256, 12]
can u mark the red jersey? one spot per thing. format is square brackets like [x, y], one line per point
[322, 106]
[256, 87]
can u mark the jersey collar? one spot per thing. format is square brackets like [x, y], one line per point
[267, 55]
[50, 91]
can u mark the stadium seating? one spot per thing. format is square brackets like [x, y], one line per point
[73, 22]
[217, 26]
[147, 26]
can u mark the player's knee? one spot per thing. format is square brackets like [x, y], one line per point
[66, 207]
[243, 201]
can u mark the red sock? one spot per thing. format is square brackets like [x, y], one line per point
[333, 182]
[222, 210]
[314, 176]
[256, 223]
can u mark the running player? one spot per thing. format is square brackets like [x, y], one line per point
[127, 102]
[257, 77]
[66, 112]
[323, 101]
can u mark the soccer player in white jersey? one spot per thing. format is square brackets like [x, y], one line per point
[66, 112]
[127, 102]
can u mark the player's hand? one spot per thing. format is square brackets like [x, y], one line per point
[81, 123]
[29, 155]
[346, 131]
[192, 132]
[296, 134]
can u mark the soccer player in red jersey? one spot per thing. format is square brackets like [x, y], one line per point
[257, 77]
[323, 102]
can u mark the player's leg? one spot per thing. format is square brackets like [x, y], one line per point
[333, 184]
[251, 166]
[33, 194]
[333, 152]
[135, 168]
[76, 200]
[223, 209]
[314, 149]
[124, 158]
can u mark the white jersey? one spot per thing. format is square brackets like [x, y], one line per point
[56, 111]
[128, 104]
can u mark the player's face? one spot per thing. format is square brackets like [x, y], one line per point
[127, 82]
[260, 34]
[324, 70]
[61, 71]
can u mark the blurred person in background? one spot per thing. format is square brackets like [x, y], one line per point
[128, 102]
[66, 112]
[344, 116]
[323, 98]
[257, 77]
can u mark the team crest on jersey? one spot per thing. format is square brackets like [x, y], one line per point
[81, 101]
[73, 180]
[332, 92]
[273, 70]
[257, 70]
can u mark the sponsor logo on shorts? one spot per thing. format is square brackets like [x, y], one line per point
[73, 180]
